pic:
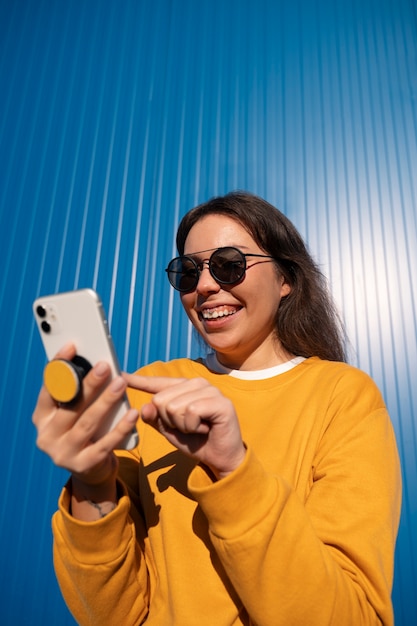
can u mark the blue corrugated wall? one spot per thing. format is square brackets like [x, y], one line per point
[116, 118]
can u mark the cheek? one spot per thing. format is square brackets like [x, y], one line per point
[187, 301]
[267, 292]
[280, 285]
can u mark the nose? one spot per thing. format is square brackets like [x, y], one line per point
[206, 283]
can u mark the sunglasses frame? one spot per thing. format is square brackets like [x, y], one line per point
[198, 265]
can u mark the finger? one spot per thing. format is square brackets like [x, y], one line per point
[171, 429]
[95, 380]
[181, 408]
[92, 386]
[45, 402]
[58, 419]
[152, 384]
[182, 398]
[68, 351]
[149, 413]
[96, 412]
[98, 451]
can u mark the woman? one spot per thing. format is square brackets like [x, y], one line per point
[265, 488]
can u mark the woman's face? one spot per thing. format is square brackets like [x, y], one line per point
[237, 321]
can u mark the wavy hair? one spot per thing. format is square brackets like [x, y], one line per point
[307, 322]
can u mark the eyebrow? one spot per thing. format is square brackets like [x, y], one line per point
[239, 247]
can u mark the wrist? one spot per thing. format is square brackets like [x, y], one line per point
[99, 475]
[231, 466]
[102, 492]
[93, 501]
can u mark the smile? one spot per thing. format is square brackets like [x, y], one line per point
[212, 314]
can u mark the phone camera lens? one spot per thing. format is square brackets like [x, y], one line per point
[46, 327]
[41, 311]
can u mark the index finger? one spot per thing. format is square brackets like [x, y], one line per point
[151, 384]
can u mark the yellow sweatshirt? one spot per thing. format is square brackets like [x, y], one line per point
[301, 534]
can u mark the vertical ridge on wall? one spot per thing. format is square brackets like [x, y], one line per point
[116, 118]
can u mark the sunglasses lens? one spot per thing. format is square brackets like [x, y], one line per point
[183, 273]
[228, 265]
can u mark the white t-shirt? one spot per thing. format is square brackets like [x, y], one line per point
[214, 365]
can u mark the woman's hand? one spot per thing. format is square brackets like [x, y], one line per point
[67, 434]
[196, 418]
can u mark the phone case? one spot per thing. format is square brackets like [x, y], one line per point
[79, 317]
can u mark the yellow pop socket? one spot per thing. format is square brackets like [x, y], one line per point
[63, 379]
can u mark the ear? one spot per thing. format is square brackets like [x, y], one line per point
[285, 288]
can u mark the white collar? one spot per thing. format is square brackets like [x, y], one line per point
[214, 365]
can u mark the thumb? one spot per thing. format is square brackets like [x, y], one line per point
[149, 413]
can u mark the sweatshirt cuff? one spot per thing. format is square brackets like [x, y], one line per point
[89, 541]
[235, 504]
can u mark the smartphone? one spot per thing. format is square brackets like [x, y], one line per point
[79, 317]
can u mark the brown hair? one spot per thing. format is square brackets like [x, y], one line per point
[307, 322]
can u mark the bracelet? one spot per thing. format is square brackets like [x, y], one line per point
[97, 506]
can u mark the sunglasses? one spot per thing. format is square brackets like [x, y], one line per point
[226, 265]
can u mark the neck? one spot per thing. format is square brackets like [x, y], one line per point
[255, 361]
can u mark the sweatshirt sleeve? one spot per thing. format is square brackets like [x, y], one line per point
[102, 564]
[322, 559]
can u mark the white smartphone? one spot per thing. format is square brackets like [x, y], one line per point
[79, 317]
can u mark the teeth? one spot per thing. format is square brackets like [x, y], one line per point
[211, 314]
